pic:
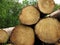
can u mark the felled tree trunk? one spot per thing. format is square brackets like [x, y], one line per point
[29, 16]
[47, 30]
[55, 14]
[46, 6]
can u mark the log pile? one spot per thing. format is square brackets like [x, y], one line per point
[39, 25]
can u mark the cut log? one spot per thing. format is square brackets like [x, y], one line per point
[30, 15]
[55, 14]
[3, 36]
[22, 35]
[46, 6]
[9, 30]
[47, 30]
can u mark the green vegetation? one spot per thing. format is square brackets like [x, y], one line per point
[10, 10]
[57, 7]
[9, 13]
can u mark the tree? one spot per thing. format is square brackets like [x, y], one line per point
[9, 13]
[57, 7]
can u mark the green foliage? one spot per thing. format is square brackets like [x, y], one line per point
[9, 11]
[57, 7]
